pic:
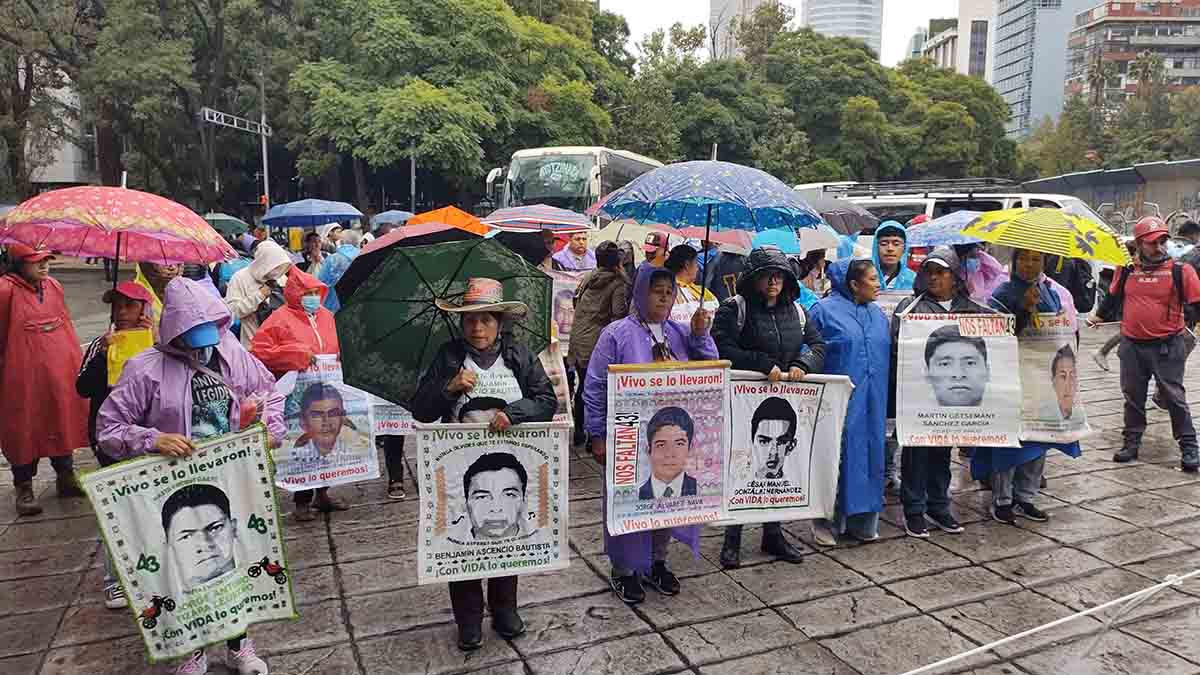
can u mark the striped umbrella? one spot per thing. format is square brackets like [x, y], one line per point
[1051, 231]
[538, 217]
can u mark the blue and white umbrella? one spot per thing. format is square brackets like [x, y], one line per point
[943, 231]
[392, 217]
[310, 213]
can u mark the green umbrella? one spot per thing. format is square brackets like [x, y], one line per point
[226, 224]
[390, 329]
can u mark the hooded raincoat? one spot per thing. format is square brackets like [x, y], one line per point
[244, 293]
[858, 343]
[39, 358]
[905, 277]
[154, 394]
[984, 279]
[629, 341]
[290, 337]
[332, 270]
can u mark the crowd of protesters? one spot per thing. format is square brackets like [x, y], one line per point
[220, 338]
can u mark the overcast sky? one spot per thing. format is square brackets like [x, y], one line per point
[900, 18]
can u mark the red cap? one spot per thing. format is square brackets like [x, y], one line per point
[131, 290]
[1151, 228]
[23, 253]
[655, 241]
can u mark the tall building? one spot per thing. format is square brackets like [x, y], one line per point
[964, 44]
[721, 17]
[1030, 63]
[860, 19]
[916, 43]
[1118, 33]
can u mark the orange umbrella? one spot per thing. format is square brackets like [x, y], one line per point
[451, 216]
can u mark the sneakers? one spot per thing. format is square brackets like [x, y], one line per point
[662, 579]
[196, 665]
[396, 490]
[1126, 454]
[628, 589]
[1029, 512]
[67, 486]
[1004, 514]
[823, 534]
[114, 597]
[914, 526]
[27, 504]
[244, 661]
[1101, 360]
[946, 522]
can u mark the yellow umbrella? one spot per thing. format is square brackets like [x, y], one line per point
[1050, 231]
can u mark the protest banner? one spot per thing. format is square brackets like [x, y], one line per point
[888, 300]
[1051, 410]
[565, 284]
[959, 381]
[552, 361]
[493, 504]
[189, 590]
[668, 431]
[329, 431]
[785, 447]
[390, 419]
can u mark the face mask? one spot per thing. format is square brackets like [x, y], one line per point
[311, 303]
[204, 355]
[971, 265]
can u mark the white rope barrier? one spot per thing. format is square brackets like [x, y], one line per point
[1134, 599]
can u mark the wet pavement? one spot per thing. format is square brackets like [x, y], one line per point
[871, 609]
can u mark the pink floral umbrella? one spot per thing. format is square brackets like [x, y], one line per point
[90, 221]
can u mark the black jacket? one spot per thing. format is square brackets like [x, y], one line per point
[92, 384]
[770, 337]
[1075, 275]
[432, 403]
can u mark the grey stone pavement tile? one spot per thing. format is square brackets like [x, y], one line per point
[877, 609]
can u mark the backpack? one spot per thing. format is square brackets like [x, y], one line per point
[1115, 299]
[1076, 276]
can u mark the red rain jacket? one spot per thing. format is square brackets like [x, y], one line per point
[289, 338]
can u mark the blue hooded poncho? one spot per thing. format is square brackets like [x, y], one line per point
[858, 343]
[905, 277]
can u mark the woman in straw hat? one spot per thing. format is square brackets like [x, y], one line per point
[485, 363]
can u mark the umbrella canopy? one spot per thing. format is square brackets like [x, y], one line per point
[737, 238]
[1050, 231]
[310, 213]
[91, 221]
[823, 237]
[390, 329]
[373, 254]
[635, 233]
[718, 195]
[539, 217]
[944, 231]
[844, 216]
[226, 224]
[782, 239]
[451, 216]
[390, 218]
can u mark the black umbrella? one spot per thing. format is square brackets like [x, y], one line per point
[376, 252]
[844, 216]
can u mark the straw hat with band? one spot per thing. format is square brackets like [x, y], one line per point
[484, 295]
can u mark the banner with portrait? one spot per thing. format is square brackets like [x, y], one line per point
[556, 369]
[959, 381]
[492, 504]
[196, 542]
[389, 419]
[668, 431]
[330, 431]
[563, 306]
[1051, 409]
[785, 447]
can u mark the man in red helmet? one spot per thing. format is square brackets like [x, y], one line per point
[1158, 298]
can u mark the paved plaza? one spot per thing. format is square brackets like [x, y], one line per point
[874, 609]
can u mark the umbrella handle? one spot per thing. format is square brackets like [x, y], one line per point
[117, 261]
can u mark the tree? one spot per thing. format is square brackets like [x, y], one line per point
[649, 124]
[610, 34]
[756, 34]
[782, 148]
[867, 140]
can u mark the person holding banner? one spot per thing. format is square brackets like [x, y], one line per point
[858, 343]
[1016, 473]
[925, 471]
[485, 363]
[198, 382]
[290, 340]
[647, 335]
[764, 330]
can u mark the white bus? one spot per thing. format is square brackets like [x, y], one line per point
[569, 177]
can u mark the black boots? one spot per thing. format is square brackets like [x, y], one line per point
[776, 544]
[731, 550]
